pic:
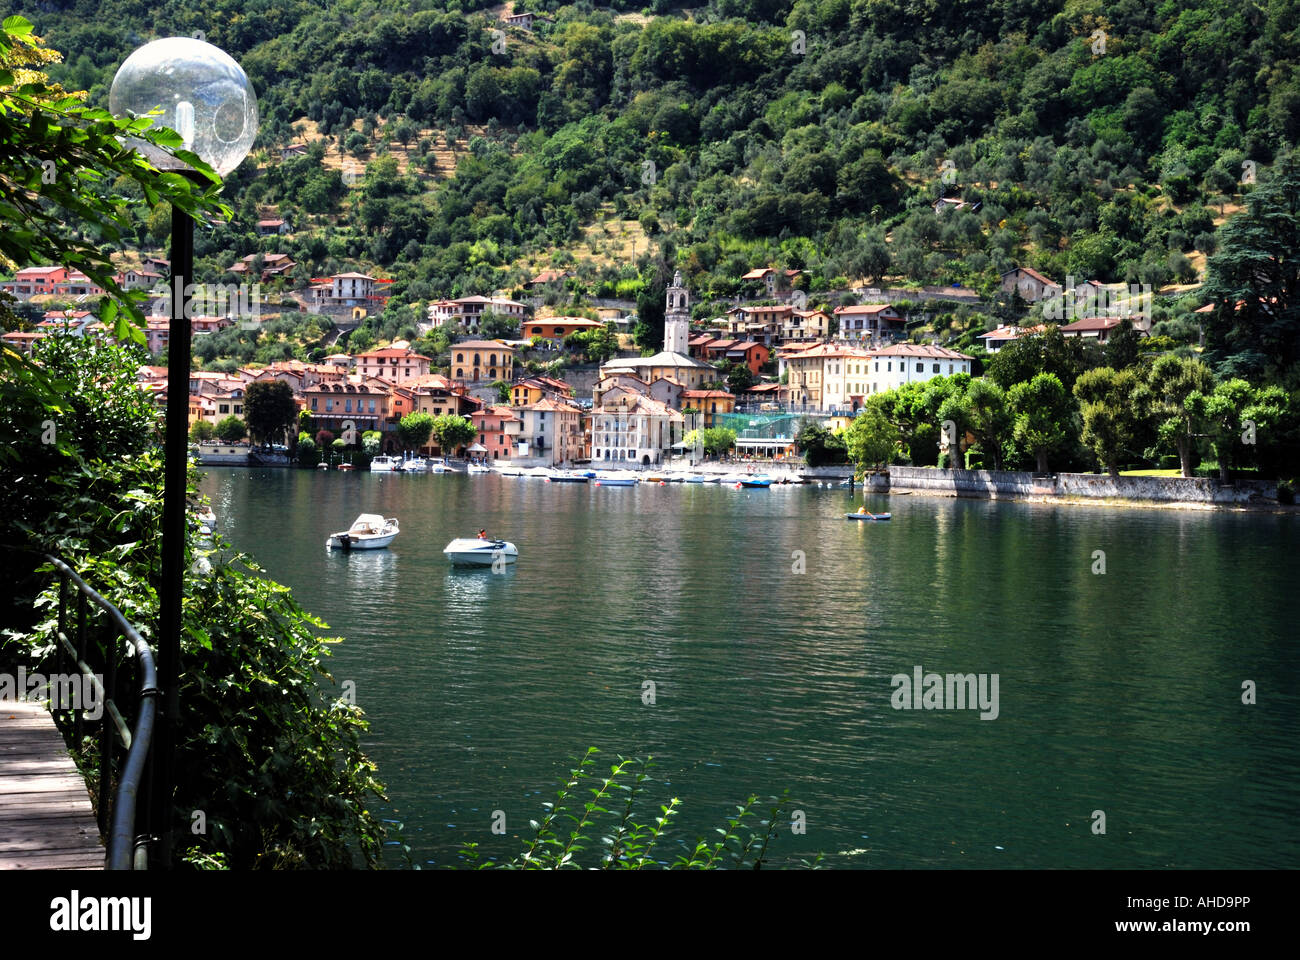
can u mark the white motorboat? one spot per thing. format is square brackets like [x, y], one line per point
[369, 531]
[480, 552]
[479, 468]
[384, 464]
[440, 468]
[616, 478]
[414, 465]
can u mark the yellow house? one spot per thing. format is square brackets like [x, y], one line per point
[534, 389]
[478, 361]
[709, 403]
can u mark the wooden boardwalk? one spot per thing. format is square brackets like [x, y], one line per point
[46, 820]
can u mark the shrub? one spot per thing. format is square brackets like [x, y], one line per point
[625, 844]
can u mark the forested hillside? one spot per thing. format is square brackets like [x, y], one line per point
[1103, 141]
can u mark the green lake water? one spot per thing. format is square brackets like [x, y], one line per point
[1118, 692]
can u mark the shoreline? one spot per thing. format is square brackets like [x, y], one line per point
[1081, 501]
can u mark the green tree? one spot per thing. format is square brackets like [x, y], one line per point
[1170, 382]
[1222, 411]
[453, 432]
[269, 410]
[820, 446]
[1043, 413]
[496, 326]
[871, 440]
[414, 430]
[503, 391]
[988, 418]
[202, 431]
[307, 451]
[739, 377]
[231, 429]
[1047, 352]
[1112, 405]
[1122, 350]
[1254, 282]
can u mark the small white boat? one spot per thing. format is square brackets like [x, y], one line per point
[384, 464]
[479, 468]
[369, 531]
[616, 478]
[414, 465]
[440, 468]
[477, 552]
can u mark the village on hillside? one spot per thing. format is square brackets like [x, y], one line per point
[765, 366]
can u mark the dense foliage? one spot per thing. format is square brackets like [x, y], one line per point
[1095, 140]
[266, 752]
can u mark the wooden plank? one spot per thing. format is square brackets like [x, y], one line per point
[46, 818]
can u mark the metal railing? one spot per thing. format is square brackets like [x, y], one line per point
[127, 844]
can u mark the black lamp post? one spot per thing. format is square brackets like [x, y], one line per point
[206, 97]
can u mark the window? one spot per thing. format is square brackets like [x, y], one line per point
[347, 405]
[329, 403]
[460, 358]
[935, 368]
[372, 406]
[950, 368]
[920, 368]
[313, 403]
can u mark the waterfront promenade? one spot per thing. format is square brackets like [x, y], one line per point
[46, 820]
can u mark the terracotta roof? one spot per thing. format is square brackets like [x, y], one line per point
[704, 394]
[1010, 333]
[865, 308]
[1033, 273]
[394, 352]
[1092, 323]
[919, 350]
[481, 345]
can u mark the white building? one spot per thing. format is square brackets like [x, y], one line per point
[633, 429]
[891, 367]
[468, 311]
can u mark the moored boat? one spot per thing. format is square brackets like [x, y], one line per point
[385, 464]
[480, 552]
[369, 531]
[866, 516]
[616, 478]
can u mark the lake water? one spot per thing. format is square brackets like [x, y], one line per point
[771, 628]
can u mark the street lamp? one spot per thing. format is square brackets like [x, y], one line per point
[200, 92]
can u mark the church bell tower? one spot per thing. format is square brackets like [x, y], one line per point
[677, 317]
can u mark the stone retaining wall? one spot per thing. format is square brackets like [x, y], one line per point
[994, 484]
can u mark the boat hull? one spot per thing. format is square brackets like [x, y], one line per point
[866, 516]
[467, 552]
[348, 541]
